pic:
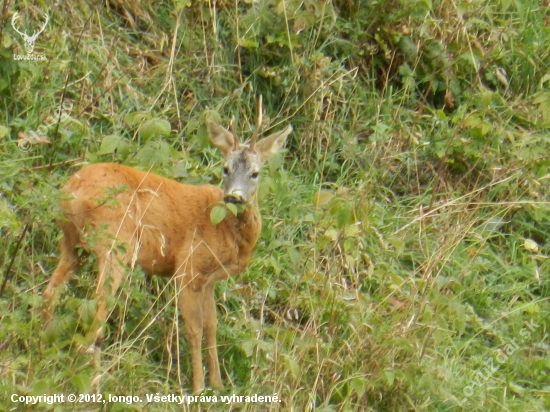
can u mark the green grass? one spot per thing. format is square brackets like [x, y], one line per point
[405, 230]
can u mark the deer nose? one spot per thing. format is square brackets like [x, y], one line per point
[236, 197]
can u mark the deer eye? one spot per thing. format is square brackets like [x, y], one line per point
[254, 175]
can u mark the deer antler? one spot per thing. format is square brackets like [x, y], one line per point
[37, 32]
[235, 138]
[15, 16]
[258, 125]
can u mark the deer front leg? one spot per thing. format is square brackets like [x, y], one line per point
[190, 301]
[209, 316]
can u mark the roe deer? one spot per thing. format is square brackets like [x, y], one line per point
[166, 229]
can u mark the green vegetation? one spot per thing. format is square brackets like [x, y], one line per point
[405, 238]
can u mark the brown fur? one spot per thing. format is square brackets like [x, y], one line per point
[164, 227]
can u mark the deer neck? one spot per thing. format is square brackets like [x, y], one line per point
[247, 229]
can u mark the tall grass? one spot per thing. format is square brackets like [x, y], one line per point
[405, 237]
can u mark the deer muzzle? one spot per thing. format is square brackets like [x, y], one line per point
[236, 197]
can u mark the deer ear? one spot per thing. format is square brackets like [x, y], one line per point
[273, 143]
[220, 137]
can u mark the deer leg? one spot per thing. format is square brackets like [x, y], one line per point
[209, 322]
[67, 266]
[111, 273]
[190, 299]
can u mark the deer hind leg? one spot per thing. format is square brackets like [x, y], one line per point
[191, 294]
[209, 316]
[69, 262]
[111, 272]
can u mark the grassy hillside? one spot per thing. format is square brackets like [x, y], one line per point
[403, 260]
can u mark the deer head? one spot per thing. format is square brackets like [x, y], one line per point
[29, 40]
[242, 162]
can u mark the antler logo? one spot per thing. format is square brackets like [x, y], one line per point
[29, 40]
